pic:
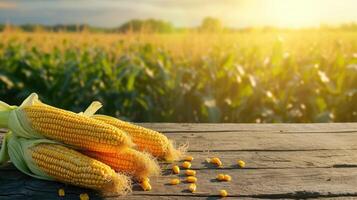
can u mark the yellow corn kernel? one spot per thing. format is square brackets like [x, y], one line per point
[128, 161]
[61, 192]
[190, 172]
[192, 187]
[186, 165]
[146, 186]
[84, 196]
[220, 177]
[223, 193]
[174, 181]
[241, 163]
[188, 158]
[144, 179]
[227, 177]
[69, 166]
[147, 140]
[176, 169]
[191, 179]
[74, 129]
[216, 161]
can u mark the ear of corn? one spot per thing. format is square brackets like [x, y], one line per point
[148, 140]
[33, 119]
[45, 159]
[129, 161]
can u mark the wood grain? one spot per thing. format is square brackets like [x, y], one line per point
[284, 161]
[237, 127]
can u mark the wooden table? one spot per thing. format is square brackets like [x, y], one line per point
[289, 161]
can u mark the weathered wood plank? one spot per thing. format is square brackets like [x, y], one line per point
[236, 127]
[223, 141]
[264, 183]
[243, 141]
[283, 159]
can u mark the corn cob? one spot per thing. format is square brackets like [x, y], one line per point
[34, 119]
[147, 140]
[138, 164]
[46, 159]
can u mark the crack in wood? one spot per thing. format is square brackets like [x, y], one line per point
[268, 150]
[259, 131]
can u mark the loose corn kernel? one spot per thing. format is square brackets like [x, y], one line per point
[84, 196]
[186, 165]
[189, 158]
[220, 177]
[191, 179]
[176, 169]
[227, 177]
[146, 186]
[241, 163]
[190, 172]
[144, 179]
[61, 192]
[192, 187]
[216, 161]
[174, 181]
[223, 193]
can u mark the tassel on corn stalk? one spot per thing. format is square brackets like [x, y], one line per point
[34, 119]
[49, 160]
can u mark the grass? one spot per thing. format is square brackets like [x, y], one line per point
[293, 76]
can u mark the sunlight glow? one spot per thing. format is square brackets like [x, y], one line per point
[294, 13]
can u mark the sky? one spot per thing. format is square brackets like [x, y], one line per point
[182, 13]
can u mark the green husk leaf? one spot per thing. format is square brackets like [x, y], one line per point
[26, 145]
[92, 108]
[4, 154]
[18, 122]
[18, 149]
[5, 110]
[6, 107]
[30, 100]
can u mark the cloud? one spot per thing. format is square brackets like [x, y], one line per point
[7, 5]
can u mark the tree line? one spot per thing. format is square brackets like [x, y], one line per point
[208, 24]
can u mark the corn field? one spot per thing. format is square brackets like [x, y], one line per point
[292, 76]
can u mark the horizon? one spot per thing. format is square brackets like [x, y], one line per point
[232, 13]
